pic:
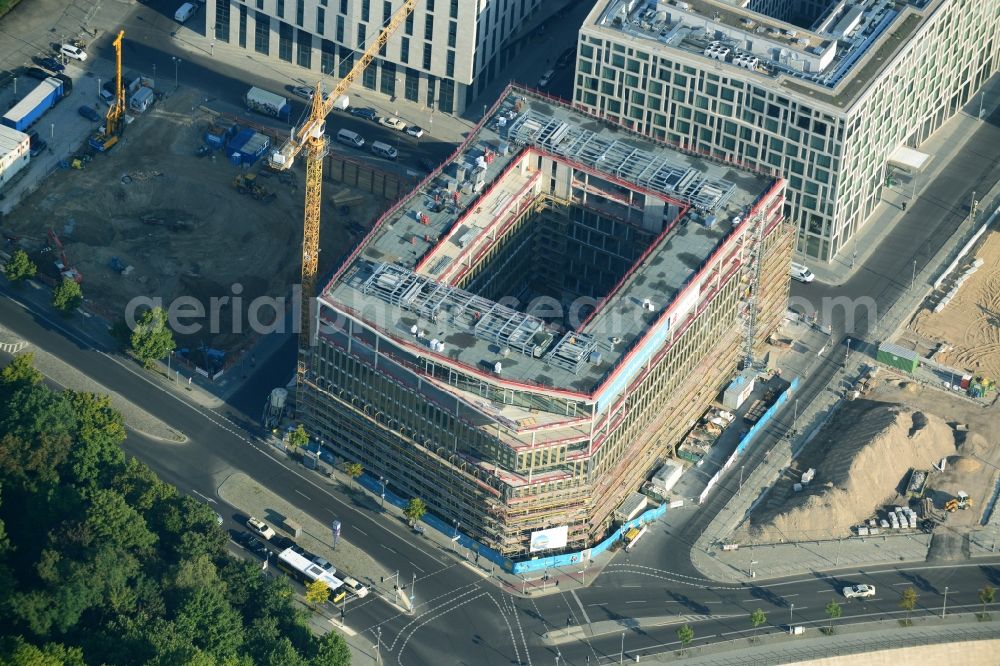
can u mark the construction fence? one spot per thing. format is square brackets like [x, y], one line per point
[368, 177]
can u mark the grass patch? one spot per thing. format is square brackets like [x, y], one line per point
[905, 623]
[7, 5]
[829, 631]
[984, 617]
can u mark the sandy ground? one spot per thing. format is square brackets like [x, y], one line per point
[970, 323]
[863, 458]
[179, 223]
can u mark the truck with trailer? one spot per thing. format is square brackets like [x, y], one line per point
[268, 103]
[34, 105]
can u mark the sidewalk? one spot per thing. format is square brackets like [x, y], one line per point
[949, 140]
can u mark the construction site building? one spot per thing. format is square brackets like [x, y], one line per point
[523, 340]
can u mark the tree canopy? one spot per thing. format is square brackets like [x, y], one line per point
[67, 296]
[152, 339]
[20, 267]
[102, 562]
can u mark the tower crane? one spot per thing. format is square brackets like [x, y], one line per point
[311, 136]
[113, 120]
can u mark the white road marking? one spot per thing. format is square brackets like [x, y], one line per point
[302, 493]
[206, 498]
[358, 529]
[580, 604]
[390, 549]
[635, 602]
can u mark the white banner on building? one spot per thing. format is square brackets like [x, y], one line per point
[554, 537]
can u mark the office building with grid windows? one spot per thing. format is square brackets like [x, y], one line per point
[837, 95]
[522, 341]
[441, 58]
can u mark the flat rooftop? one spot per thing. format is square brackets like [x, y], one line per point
[833, 58]
[403, 278]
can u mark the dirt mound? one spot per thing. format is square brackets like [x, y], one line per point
[866, 462]
[964, 465]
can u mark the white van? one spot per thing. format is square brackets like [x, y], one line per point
[350, 138]
[801, 273]
[384, 150]
[184, 12]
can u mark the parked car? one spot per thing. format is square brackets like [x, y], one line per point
[801, 273]
[859, 591]
[305, 92]
[393, 122]
[426, 164]
[546, 77]
[89, 113]
[566, 57]
[255, 546]
[73, 52]
[324, 564]
[415, 131]
[35, 143]
[51, 64]
[36, 73]
[365, 112]
[260, 527]
[283, 543]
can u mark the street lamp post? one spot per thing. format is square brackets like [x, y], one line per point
[982, 94]
[382, 480]
[913, 276]
[98, 88]
[177, 62]
[378, 646]
[169, 356]
[752, 574]
[413, 587]
[791, 611]
[621, 658]
[741, 477]
[944, 607]
[15, 86]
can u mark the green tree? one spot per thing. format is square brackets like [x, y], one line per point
[15, 651]
[986, 595]
[209, 622]
[353, 470]
[833, 611]
[100, 430]
[317, 592]
[67, 296]
[19, 267]
[151, 338]
[685, 635]
[757, 618]
[333, 651]
[298, 437]
[21, 370]
[908, 601]
[415, 510]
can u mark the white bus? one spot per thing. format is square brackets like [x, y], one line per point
[306, 571]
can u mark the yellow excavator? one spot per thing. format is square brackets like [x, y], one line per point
[963, 501]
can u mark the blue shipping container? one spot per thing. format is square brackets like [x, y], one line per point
[213, 140]
[34, 104]
[239, 141]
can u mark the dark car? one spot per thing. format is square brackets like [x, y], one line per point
[36, 73]
[89, 113]
[36, 143]
[51, 64]
[365, 112]
[566, 57]
[282, 542]
[255, 545]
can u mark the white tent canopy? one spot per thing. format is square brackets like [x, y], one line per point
[908, 159]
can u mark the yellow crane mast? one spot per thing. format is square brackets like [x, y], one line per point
[117, 110]
[103, 141]
[311, 135]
